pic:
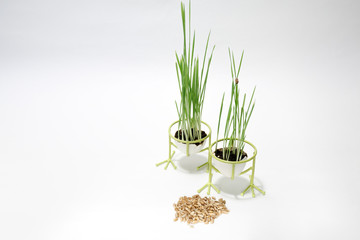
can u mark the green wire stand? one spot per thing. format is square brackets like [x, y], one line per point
[251, 186]
[171, 144]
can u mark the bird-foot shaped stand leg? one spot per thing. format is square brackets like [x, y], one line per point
[209, 156]
[203, 165]
[209, 165]
[252, 186]
[209, 185]
[167, 161]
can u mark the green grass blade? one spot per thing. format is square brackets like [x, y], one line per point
[242, 55]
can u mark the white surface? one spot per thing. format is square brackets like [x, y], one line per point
[82, 81]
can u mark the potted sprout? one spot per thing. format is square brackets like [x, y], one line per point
[229, 155]
[230, 158]
[189, 131]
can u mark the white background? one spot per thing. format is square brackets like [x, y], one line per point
[87, 91]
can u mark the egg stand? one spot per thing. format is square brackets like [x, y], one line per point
[171, 144]
[251, 186]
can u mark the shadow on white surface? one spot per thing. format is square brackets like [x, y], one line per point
[233, 188]
[189, 164]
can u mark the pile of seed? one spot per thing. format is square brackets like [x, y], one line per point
[196, 209]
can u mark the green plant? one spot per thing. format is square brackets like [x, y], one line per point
[192, 84]
[237, 118]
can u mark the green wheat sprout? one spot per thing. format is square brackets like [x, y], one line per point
[237, 118]
[192, 83]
